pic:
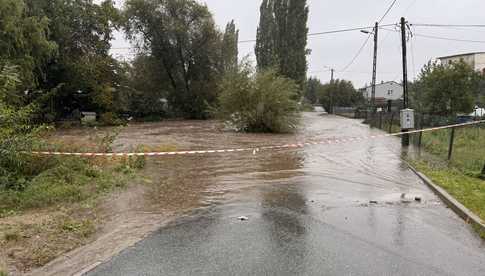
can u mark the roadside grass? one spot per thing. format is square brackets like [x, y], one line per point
[468, 190]
[54, 210]
[461, 176]
[468, 150]
[71, 180]
[60, 205]
[34, 240]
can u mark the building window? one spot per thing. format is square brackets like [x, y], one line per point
[389, 92]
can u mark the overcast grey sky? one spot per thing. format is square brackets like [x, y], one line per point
[337, 50]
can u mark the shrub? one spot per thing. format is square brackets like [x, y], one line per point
[110, 119]
[259, 102]
[17, 134]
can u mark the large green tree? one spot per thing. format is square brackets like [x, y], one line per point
[313, 85]
[83, 72]
[446, 90]
[24, 43]
[339, 93]
[147, 87]
[181, 35]
[282, 38]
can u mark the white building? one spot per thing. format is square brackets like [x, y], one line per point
[475, 60]
[385, 91]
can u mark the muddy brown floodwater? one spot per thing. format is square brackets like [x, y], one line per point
[309, 210]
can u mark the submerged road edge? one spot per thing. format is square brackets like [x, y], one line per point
[450, 201]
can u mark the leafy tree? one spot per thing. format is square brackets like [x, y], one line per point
[339, 93]
[446, 90]
[313, 85]
[259, 102]
[282, 38]
[147, 87]
[83, 72]
[24, 43]
[230, 47]
[181, 35]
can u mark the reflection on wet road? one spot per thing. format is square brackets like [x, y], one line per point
[309, 211]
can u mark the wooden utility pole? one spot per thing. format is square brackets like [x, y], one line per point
[405, 137]
[374, 68]
[332, 71]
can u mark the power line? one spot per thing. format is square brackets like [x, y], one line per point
[358, 53]
[388, 10]
[449, 25]
[412, 56]
[404, 14]
[368, 37]
[441, 37]
[309, 35]
[450, 39]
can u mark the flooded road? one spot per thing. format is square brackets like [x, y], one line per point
[309, 210]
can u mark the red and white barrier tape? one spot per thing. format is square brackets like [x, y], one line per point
[252, 149]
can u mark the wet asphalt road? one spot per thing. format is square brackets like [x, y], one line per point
[309, 214]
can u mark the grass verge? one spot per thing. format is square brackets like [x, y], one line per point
[468, 190]
[53, 208]
[56, 212]
[468, 150]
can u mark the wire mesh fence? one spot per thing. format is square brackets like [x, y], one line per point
[462, 148]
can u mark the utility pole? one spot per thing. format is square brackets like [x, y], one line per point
[374, 69]
[332, 71]
[405, 137]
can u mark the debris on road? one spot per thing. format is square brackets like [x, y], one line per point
[243, 218]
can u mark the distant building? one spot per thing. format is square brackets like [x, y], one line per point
[385, 91]
[475, 60]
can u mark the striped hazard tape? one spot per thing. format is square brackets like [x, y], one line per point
[254, 150]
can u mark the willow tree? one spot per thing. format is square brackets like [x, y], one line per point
[181, 35]
[282, 38]
[24, 43]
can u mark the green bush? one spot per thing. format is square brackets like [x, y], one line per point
[259, 102]
[17, 134]
[110, 119]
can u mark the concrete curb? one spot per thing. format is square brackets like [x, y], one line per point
[450, 201]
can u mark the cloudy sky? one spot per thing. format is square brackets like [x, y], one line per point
[337, 50]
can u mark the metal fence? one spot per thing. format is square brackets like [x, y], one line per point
[460, 147]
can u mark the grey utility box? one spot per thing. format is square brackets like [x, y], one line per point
[407, 119]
